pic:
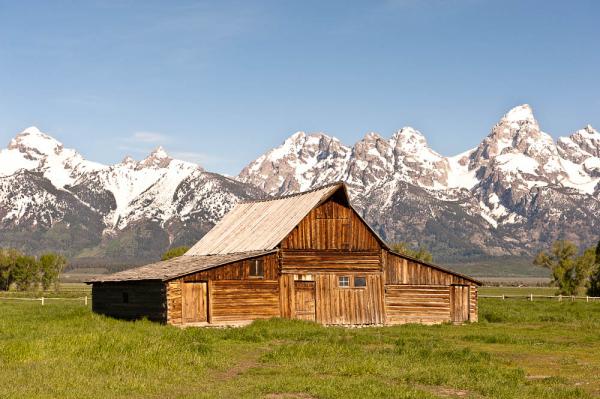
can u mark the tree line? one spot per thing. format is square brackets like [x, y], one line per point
[420, 252]
[572, 269]
[27, 272]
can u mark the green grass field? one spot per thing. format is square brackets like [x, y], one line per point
[518, 350]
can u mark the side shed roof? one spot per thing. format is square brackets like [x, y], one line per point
[176, 267]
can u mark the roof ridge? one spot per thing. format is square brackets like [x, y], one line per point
[340, 183]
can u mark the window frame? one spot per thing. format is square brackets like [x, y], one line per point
[347, 280]
[254, 271]
[364, 278]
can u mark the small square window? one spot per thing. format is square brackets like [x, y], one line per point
[257, 268]
[360, 281]
[344, 281]
[125, 297]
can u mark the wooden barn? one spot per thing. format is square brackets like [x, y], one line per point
[306, 256]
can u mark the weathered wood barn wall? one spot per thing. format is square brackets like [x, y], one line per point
[308, 256]
[130, 299]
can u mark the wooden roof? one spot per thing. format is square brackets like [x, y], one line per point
[250, 229]
[176, 267]
[260, 225]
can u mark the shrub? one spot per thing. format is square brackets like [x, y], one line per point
[174, 252]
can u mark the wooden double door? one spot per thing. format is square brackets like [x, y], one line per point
[194, 302]
[305, 299]
[459, 303]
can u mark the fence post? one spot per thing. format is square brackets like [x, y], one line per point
[42, 301]
[587, 298]
[572, 298]
[559, 297]
[85, 300]
[531, 297]
[502, 296]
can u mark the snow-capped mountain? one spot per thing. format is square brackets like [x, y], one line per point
[512, 194]
[52, 198]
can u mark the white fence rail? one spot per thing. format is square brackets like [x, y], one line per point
[44, 300]
[531, 297]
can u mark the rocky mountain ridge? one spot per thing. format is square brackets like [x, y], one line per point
[52, 198]
[511, 195]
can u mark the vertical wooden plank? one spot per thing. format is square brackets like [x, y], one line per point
[209, 311]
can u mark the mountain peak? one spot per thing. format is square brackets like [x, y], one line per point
[157, 158]
[589, 129]
[299, 134]
[408, 133]
[32, 130]
[128, 160]
[520, 113]
[34, 140]
[372, 136]
[159, 152]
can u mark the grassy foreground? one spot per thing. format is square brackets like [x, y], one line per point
[518, 350]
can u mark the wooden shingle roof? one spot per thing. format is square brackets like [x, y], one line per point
[260, 225]
[176, 267]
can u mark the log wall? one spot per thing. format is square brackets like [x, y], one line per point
[233, 295]
[473, 311]
[399, 270]
[426, 304]
[307, 261]
[174, 302]
[144, 300]
[244, 300]
[238, 271]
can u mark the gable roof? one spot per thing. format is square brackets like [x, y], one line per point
[250, 229]
[261, 225]
[176, 267]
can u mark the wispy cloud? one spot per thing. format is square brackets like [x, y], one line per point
[148, 138]
[195, 157]
[141, 143]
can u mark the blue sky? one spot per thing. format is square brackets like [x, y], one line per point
[221, 82]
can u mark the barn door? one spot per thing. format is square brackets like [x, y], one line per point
[459, 303]
[194, 302]
[305, 300]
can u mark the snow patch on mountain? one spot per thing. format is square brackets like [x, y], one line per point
[125, 193]
[489, 180]
[33, 150]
